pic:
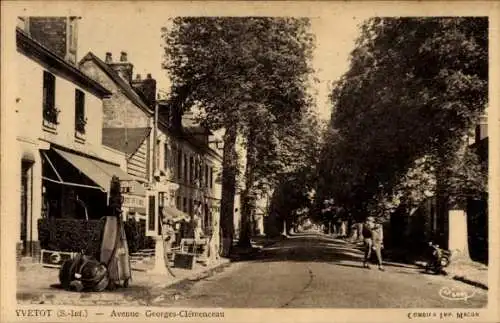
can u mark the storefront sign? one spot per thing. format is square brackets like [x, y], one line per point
[132, 201]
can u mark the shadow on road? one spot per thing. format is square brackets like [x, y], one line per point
[315, 248]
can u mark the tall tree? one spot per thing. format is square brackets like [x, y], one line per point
[249, 76]
[415, 89]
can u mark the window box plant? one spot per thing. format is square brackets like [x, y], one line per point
[50, 117]
[80, 123]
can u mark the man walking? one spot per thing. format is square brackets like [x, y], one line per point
[373, 239]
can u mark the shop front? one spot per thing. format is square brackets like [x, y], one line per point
[76, 186]
[134, 201]
[75, 192]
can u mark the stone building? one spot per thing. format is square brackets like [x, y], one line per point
[177, 164]
[189, 157]
[127, 123]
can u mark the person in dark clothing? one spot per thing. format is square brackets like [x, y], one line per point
[373, 239]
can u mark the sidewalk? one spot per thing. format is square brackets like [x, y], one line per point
[466, 271]
[40, 285]
[469, 272]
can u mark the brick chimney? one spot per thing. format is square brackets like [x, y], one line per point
[58, 34]
[124, 68]
[146, 88]
[109, 58]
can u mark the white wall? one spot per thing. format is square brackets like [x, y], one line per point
[115, 156]
[30, 100]
[28, 128]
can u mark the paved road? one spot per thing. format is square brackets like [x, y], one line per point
[315, 271]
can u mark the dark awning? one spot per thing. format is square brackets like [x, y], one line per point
[98, 172]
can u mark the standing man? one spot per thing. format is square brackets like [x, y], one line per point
[373, 238]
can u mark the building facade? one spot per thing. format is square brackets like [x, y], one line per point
[127, 124]
[189, 158]
[61, 167]
[178, 166]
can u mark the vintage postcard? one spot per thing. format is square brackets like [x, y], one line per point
[265, 161]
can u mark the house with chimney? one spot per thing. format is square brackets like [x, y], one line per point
[128, 122]
[61, 166]
[163, 148]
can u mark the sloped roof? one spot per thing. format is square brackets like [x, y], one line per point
[126, 140]
[127, 88]
[30, 47]
[190, 125]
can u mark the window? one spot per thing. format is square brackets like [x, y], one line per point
[184, 205]
[162, 199]
[195, 177]
[157, 158]
[211, 177]
[179, 164]
[186, 175]
[165, 156]
[80, 119]
[190, 206]
[50, 111]
[191, 168]
[207, 178]
[178, 202]
[151, 213]
[207, 216]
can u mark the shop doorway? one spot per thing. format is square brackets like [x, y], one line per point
[26, 205]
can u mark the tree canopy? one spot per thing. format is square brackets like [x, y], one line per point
[414, 91]
[250, 76]
[240, 70]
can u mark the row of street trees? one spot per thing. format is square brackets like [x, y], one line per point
[250, 78]
[402, 117]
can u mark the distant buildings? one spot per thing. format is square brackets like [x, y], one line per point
[189, 156]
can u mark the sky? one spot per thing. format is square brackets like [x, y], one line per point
[140, 38]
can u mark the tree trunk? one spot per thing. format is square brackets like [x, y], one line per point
[458, 238]
[248, 196]
[457, 232]
[229, 169]
[359, 227]
[283, 233]
[246, 211]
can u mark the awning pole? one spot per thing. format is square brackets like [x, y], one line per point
[73, 184]
[51, 165]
